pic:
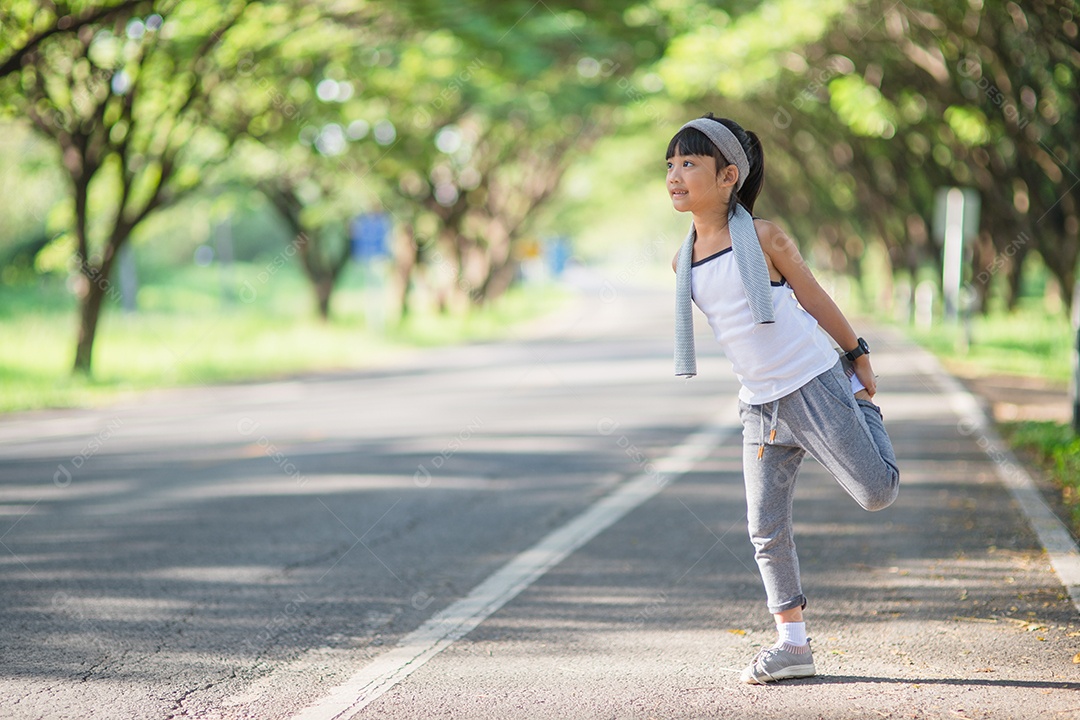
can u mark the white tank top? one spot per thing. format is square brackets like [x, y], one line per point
[771, 360]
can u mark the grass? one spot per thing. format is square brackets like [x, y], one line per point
[1028, 342]
[1055, 448]
[188, 332]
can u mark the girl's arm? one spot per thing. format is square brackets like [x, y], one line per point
[785, 257]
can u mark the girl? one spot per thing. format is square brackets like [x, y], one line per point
[765, 308]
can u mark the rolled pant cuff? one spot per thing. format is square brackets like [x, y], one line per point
[798, 602]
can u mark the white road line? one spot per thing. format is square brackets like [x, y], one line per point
[452, 623]
[1051, 532]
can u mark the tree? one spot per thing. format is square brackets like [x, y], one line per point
[456, 121]
[305, 89]
[878, 104]
[984, 91]
[127, 96]
[30, 24]
[480, 148]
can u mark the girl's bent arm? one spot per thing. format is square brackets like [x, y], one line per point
[784, 255]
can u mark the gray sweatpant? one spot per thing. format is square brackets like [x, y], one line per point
[846, 435]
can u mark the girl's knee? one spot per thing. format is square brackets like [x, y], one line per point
[879, 503]
[883, 498]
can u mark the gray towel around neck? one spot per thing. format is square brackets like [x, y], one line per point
[753, 271]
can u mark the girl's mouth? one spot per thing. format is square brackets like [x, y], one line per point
[678, 193]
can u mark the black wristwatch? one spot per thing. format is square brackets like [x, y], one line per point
[861, 349]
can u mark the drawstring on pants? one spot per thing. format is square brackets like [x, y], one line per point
[772, 427]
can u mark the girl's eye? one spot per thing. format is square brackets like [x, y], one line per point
[687, 163]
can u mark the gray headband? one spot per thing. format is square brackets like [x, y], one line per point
[726, 142]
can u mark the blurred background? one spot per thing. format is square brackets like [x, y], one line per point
[200, 191]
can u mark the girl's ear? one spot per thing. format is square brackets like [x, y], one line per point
[728, 176]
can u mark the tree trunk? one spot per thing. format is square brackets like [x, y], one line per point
[321, 271]
[983, 259]
[324, 288]
[1014, 275]
[97, 285]
[1071, 242]
[1066, 277]
[89, 313]
[405, 262]
[499, 280]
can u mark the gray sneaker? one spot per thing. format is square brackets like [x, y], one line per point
[772, 664]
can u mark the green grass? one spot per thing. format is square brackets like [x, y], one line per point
[1055, 448]
[187, 332]
[1028, 342]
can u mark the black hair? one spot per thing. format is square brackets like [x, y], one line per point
[690, 141]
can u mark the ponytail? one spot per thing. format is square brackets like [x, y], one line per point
[751, 188]
[747, 195]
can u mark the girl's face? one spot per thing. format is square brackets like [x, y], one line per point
[694, 186]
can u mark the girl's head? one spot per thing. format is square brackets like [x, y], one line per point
[692, 142]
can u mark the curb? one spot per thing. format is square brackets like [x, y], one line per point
[1061, 549]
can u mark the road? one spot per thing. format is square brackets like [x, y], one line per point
[248, 551]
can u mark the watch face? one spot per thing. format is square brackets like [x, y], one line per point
[864, 346]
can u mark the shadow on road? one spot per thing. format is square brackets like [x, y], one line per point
[965, 682]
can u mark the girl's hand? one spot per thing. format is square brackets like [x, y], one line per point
[865, 373]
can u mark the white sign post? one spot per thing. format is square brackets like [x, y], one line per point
[953, 261]
[956, 219]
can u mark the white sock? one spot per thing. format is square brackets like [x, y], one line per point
[791, 633]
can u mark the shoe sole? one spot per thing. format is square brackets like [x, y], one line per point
[791, 672]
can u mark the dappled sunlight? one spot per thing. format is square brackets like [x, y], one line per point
[262, 574]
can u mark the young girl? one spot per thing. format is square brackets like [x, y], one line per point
[765, 308]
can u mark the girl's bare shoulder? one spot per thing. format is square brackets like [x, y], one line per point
[767, 227]
[770, 234]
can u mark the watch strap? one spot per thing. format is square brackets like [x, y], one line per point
[858, 351]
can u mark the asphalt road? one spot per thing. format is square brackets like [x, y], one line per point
[242, 551]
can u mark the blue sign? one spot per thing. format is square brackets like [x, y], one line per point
[558, 253]
[369, 233]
